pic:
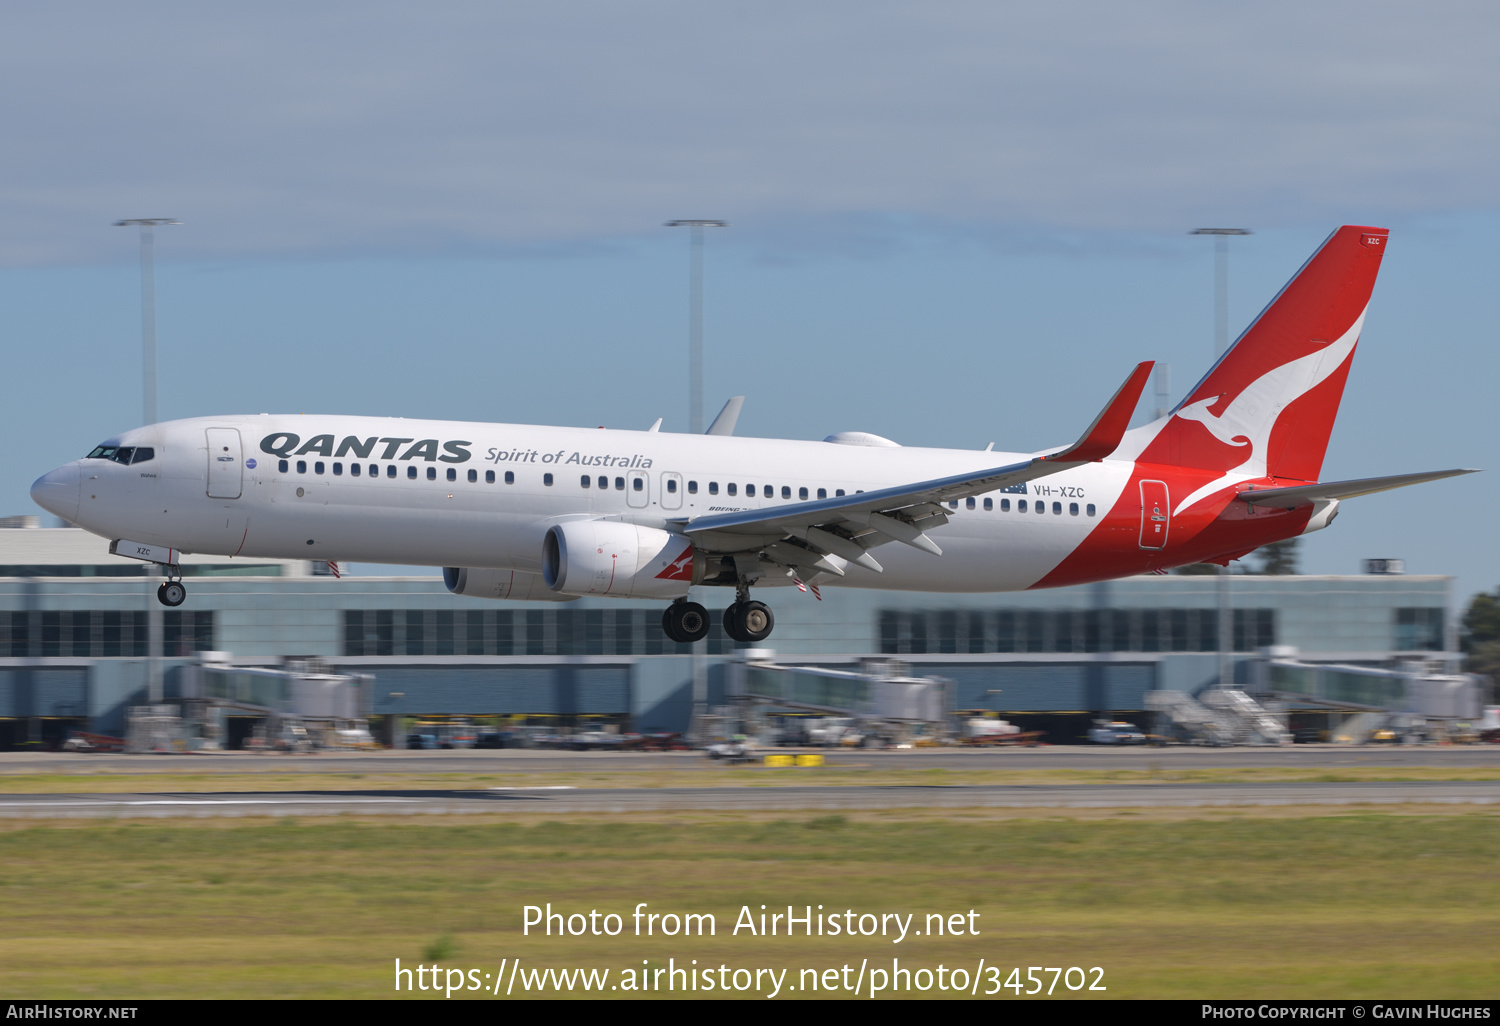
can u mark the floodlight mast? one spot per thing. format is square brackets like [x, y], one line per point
[695, 317]
[147, 225]
[1221, 283]
[1221, 344]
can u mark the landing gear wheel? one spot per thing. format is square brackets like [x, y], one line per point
[171, 593]
[749, 621]
[685, 622]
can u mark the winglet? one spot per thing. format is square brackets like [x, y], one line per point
[724, 423]
[1104, 434]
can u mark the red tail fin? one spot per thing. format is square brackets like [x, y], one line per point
[1266, 408]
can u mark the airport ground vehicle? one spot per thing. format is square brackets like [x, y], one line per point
[736, 749]
[515, 511]
[1116, 732]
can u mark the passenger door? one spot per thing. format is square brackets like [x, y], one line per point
[225, 468]
[1155, 514]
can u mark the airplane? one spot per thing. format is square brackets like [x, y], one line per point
[531, 512]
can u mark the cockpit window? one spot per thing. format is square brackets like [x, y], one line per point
[126, 454]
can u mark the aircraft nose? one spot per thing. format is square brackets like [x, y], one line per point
[57, 491]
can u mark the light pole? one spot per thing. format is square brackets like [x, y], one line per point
[1221, 344]
[147, 226]
[695, 317]
[1221, 283]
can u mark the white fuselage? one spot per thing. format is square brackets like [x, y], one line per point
[216, 485]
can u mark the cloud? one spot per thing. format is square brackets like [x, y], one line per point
[281, 128]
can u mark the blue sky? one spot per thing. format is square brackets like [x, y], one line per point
[950, 225]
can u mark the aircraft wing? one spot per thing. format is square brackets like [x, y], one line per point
[1301, 495]
[824, 534]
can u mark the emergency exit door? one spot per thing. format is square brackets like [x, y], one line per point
[225, 469]
[1155, 514]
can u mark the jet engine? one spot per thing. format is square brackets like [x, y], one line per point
[499, 584]
[607, 557]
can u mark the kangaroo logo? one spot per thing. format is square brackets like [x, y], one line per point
[1250, 417]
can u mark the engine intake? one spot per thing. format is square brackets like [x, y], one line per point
[607, 557]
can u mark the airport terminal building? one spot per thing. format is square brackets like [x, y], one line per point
[76, 623]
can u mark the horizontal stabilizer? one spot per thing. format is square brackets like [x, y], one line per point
[1301, 495]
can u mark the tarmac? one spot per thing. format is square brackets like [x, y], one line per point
[745, 791]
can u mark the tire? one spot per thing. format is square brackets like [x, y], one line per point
[171, 593]
[685, 622]
[731, 622]
[668, 626]
[755, 622]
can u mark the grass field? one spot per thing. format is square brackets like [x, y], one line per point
[1177, 903]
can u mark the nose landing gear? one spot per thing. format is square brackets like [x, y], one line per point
[171, 592]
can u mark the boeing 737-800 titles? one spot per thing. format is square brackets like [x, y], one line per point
[527, 512]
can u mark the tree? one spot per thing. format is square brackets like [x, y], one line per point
[1278, 557]
[1481, 636]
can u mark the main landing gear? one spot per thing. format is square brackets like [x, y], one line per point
[745, 621]
[171, 592]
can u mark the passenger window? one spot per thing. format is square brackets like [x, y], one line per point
[786, 492]
[318, 467]
[638, 484]
[547, 480]
[692, 487]
[1004, 505]
[1089, 509]
[822, 493]
[301, 466]
[713, 488]
[1073, 509]
[510, 477]
[989, 504]
[452, 474]
[749, 491]
[474, 477]
[431, 473]
[801, 493]
[585, 481]
[839, 492]
[411, 472]
[338, 470]
[671, 484]
[374, 470]
[953, 504]
[732, 488]
[1057, 509]
[390, 470]
[353, 469]
[603, 483]
[282, 466]
[969, 502]
[619, 484]
[1020, 505]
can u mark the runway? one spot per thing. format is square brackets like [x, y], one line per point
[787, 798]
[1076, 757]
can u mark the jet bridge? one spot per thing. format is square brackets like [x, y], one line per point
[879, 692]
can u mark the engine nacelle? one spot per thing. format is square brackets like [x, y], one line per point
[499, 584]
[607, 557]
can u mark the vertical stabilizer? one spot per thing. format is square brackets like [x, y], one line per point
[1266, 408]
